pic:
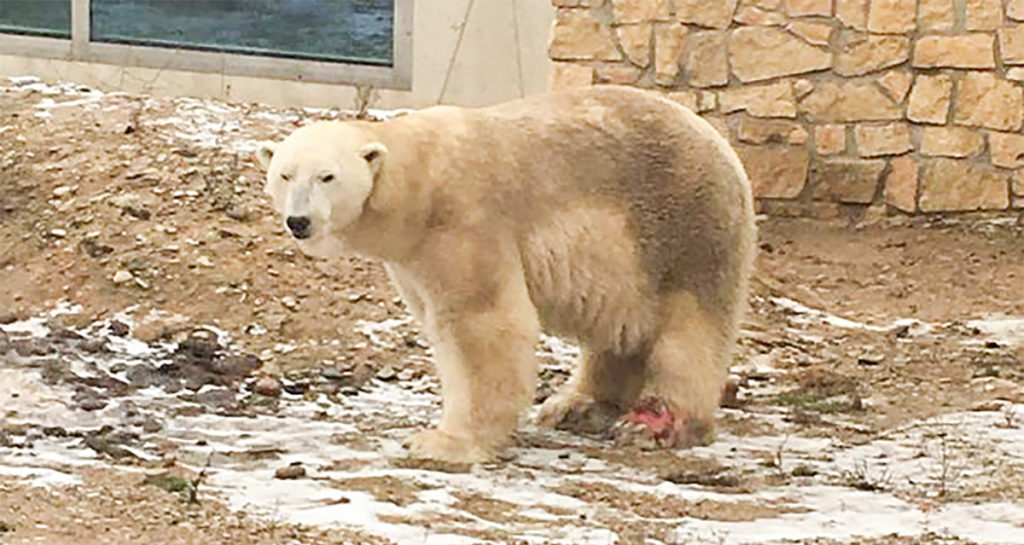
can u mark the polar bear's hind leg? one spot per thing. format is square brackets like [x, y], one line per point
[687, 370]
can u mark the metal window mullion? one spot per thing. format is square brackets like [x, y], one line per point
[401, 44]
[80, 28]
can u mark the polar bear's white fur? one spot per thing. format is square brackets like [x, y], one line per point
[608, 215]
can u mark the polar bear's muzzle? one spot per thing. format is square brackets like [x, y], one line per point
[300, 226]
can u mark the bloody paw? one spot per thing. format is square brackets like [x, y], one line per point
[653, 424]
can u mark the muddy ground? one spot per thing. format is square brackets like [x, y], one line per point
[173, 370]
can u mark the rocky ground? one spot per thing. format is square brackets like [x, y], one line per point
[172, 370]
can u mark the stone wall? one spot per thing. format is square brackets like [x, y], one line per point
[834, 105]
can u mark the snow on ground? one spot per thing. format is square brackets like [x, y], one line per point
[884, 486]
[203, 123]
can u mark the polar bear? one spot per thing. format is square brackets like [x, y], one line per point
[607, 215]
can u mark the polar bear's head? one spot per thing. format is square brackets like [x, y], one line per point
[319, 179]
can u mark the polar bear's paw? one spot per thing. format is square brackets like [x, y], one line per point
[434, 444]
[653, 424]
[578, 414]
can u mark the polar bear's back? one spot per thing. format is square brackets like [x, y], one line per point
[617, 176]
[617, 197]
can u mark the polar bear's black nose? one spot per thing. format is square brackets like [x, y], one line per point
[299, 226]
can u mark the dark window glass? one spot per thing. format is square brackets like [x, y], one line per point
[37, 17]
[330, 30]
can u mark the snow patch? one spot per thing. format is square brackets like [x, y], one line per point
[357, 436]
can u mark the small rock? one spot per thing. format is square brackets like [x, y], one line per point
[900, 331]
[37, 347]
[94, 249]
[204, 261]
[93, 346]
[290, 303]
[217, 397]
[993, 405]
[201, 343]
[296, 388]
[332, 373]
[871, 359]
[103, 446]
[58, 233]
[238, 365]
[90, 401]
[267, 386]
[122, 276]
[293, 471]
[238, 213]
[64, 333]
[141, 376]
[804, 470]
[61, 191]
[119, 200]
[118, 328]
[228, 233]
[55, 431]
[138, 212]
[387, 373]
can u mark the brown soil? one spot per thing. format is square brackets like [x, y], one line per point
[940, 271]
[139, 200]
[116, 508]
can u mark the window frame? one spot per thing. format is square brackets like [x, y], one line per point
[80, 48]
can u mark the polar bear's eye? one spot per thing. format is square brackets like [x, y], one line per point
[286, 177]
[327, 178]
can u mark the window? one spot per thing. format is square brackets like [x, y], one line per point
[36, 17]
[333, 30]
[332, 41]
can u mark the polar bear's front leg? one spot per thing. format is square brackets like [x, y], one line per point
[484, 348]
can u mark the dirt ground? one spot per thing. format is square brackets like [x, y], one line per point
[148, 213]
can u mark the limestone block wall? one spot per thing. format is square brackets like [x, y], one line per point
[834, 105]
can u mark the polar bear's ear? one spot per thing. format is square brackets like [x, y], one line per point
[374, 154]
[265, 152]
